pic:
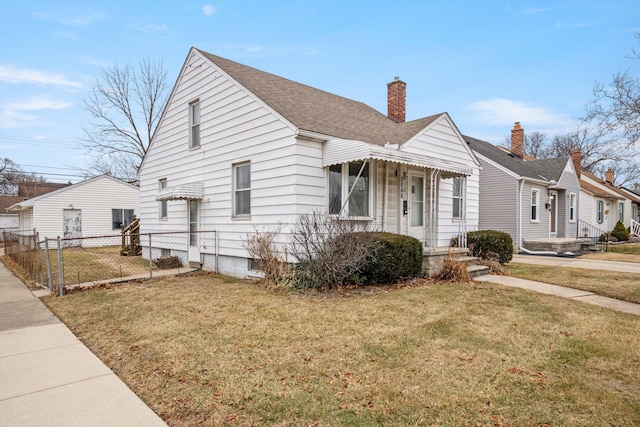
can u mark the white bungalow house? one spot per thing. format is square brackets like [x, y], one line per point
[535, 201]
[238, 149]
[98, 206]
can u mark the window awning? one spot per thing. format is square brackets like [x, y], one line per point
[192, 190]
[338, 151]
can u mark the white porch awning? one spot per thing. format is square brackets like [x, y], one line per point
[338, 151]
[192, 190]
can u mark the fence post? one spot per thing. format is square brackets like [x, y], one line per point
[216, 249]
[150, 259]
[46, 248]
[39, 259]
[60, 272]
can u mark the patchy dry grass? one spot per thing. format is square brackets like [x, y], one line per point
[209, 350]
[623, 286]
[628, 252]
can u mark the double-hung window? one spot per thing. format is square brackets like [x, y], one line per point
[600, 212]
[350, 189]
[242, 189]
[458, 197]
[572, 207]
[120, 218]
[535, 205]
[194, 124]
[162, 184]
[621, 212]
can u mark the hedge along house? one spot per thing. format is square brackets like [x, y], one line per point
[239, 150]
[98, 206]
[535, 201]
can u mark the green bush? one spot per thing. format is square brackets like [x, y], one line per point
[395, 257]
[486, 244]
[620, 232]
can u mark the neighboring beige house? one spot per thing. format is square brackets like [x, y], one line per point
[239, 149]
[98, 206]
[602, 204]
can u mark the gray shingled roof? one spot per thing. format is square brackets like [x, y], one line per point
[318, 111]
[545, 169]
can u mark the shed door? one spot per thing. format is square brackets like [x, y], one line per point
[71, 226]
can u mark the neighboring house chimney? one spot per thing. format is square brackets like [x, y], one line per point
[396, 100]
[517, 141]
[609, 175]
[576, 158]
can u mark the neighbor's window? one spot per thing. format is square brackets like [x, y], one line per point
[344, 179]
[162, 184]
[572, 207]
[621, 211]
[535, 202]
[241, 189]
[458, 199]
[194, 124]
[120, 218]
[600, 212]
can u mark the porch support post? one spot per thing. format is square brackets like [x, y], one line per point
[385, 197]
[433, 207]
[424, 205]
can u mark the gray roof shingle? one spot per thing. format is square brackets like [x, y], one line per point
[544, 169]
[318, 111]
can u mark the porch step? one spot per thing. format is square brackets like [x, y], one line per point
[477, 270]
[468, 259]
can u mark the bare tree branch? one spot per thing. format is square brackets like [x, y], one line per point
[125, 106]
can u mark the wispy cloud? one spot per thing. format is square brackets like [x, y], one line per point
[10, 119]
[21, 75]
[208, 10]
[72, 20]
[41, 102]
[150, 28]
[530, 10]
[500, 111]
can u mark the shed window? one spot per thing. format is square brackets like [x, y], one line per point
[120, 218]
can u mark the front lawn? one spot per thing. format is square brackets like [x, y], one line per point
[627, 252]
[208, 350]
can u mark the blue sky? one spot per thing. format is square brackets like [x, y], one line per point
[487, 63]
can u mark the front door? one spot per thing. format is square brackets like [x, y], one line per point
[553, 214]
[416, 206]
[71, 226]
[194, 216]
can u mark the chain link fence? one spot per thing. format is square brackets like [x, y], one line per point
[66, 263]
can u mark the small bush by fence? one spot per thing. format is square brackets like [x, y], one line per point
[65, 262]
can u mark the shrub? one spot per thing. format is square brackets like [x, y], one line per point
[486, 244]
[620, 232]
[395, 257]
[330, 251]
[260, 246]
[453, 270]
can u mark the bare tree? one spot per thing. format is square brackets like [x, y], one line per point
[615, 107]
[125, 105]
[534, 143]
[13, 178]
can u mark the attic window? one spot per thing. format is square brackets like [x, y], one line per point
[194, 124]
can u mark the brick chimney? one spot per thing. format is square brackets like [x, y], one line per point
[576, 158]
[609, 176]
[396, 100]
[517, 141]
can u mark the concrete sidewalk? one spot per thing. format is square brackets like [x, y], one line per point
[622, 267]
[561, 291]
[48, 377]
